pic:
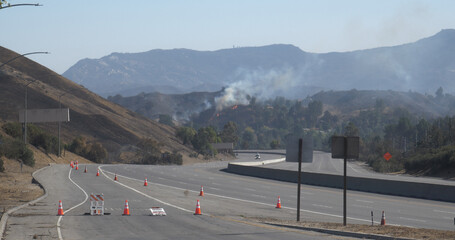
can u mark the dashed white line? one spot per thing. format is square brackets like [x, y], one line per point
[361, 206]
[412, 219]
[364, 201]
[323, 206]
[439, 211]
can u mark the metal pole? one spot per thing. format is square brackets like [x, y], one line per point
[299, 179]
[25, 117]
[344, 189]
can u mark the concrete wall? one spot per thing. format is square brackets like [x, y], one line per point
[399, 188]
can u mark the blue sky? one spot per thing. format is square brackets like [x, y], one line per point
[73, 30]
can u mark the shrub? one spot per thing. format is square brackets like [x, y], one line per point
[14, 129]
[2, 168]
[16, 149]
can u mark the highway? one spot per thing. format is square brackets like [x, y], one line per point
[228, 198]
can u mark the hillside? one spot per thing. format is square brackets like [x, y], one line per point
[274, 70]
[91, 116]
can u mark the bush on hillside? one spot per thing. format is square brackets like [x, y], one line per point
[14, 129]
[15, 149]
[2, 169]
[94, 152]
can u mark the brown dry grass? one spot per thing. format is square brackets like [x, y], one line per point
[391, 231]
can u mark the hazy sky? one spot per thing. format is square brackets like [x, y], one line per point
[73, 30]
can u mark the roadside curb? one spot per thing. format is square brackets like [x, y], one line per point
[341, 233]
[6, 215]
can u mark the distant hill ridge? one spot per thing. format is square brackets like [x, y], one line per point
[422, 66]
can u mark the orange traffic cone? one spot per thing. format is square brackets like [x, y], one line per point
[115, 178]
[126, 210]
[383, 218]
[198, 209]
[77, 167]
[60, 208]
[98, 173]
[278, 204]
[201, 193]
[71, 164]
[145, 182]
[85, 169]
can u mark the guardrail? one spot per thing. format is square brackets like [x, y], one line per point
[390, 187]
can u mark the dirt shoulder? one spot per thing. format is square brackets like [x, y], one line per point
[16, 186]
[389, 231]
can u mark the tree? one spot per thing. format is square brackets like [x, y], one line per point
[275, 144]
[149, 151]
[97, 153]
[351, 130]
[203, 139]
[229, 133]
[186, 134]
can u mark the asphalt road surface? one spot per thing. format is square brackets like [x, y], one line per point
[227, 199]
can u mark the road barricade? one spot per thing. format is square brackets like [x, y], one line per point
[96, 204]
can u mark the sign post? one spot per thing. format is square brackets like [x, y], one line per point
[344, 148]
[299, 180]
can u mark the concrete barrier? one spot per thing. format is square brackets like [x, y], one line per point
[390, 187]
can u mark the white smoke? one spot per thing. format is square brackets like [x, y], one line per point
[262, 84]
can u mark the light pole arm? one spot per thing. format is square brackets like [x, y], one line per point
[21, 4]
[25, 54]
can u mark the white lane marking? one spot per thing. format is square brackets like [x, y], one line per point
[323, 206]
[258, 195]
[307, 193]
[217, 184]
[413, 219]
[361, 206]
[60, 218]
[248, 201]
[161, 178]
[213, 188]
[143, 194]
[364, 201]
[184, 183]
[443, 212]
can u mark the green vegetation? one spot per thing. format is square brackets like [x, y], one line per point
[416, 144]
[15, 148]
[149, 152]
[92, 151]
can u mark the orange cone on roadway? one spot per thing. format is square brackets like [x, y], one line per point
[98, 173]
[278, 204]
[85, 169]
[71, 164]
[383, 218]
[126, 210]
[201, 193]
[198, 209]
[145, 182]
[60, 209]
[115, 178]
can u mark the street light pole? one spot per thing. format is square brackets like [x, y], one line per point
[25, 112]
[26, 86]
[59, 123]
[25, 54]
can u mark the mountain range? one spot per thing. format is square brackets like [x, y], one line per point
[275, 70]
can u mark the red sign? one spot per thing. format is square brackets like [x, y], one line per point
[387, 156]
